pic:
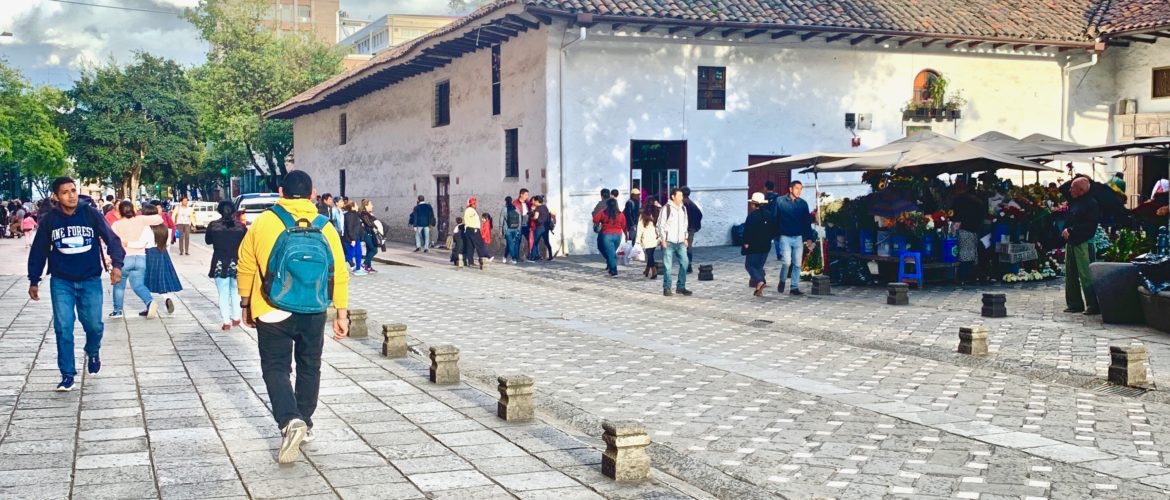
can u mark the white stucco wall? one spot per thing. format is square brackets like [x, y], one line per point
[781, 99]
[1133, 73]
[393, 153]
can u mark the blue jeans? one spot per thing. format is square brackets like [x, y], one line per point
[671, 252]
[74, 300]
[422, 237]
[134, 271]
[541, 234]
[229, 299]
[512, 240]
[609, 248]
[371, 250]
[791, 253]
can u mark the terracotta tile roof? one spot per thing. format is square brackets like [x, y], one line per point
[1069, 22]
[1119, 16]
[1047, 20]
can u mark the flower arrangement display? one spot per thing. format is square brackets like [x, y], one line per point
[915, 224]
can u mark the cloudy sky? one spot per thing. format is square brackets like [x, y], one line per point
[54, 39]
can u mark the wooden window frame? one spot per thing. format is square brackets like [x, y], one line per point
[442, 115]
[342, 130]
[711, 90]
[496, 80]
[512, 153]
[1165, 70]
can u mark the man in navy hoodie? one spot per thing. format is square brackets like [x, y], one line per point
[69, 240]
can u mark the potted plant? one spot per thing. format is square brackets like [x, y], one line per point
[955, 104]
[938, 92]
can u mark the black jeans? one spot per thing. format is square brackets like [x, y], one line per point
[300, 337]
[473, 244]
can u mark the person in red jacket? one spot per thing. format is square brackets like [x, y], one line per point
[613, 225]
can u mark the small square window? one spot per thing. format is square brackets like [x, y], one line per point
[442, 104]
[1161, 82]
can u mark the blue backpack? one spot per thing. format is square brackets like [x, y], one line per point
[300, 269]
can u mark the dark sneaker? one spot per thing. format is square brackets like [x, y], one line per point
[143, 313]
[1092, 312]
[115, 315]
[780, 288]
[290, 445]
[796, 291]
[424, 250]
[417, 250]
[1073, 310]
[666, 292]
[66, 384]
[170, 306]
[94, 364]
[683, 291]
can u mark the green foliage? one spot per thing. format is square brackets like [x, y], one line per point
[938, 92]
[29, 135]
[133, 124]
[1126, 244]
[251, 69]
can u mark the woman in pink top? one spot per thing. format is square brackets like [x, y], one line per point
[129, 229]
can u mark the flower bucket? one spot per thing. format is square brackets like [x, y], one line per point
[883, 244]
[899, 244]
[950, 250]
[928, 247]
[865, 241]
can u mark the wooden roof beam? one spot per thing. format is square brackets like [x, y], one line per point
[728, 32]
[615, 26]
[522, 21]
[996, 46]
[1116, 43]
[906, 41]
[836, 37]
[930, 42]
[781, 34]
[543, 18]
[1137, 39]
[881, 39]
[1162, 34]
[808, 36]
[499, 30]
[676, 29]
[704, 31]
[753, 33]
[646, 28]
[974, 44]
[858, 40]
[952, 44]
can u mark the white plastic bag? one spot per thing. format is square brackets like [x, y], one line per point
[637, 254]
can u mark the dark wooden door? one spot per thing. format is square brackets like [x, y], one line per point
[443, 207]
[758, 177]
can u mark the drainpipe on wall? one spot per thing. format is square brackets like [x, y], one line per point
[583, 19]
[1065, 95]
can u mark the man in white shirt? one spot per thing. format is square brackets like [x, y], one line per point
[672, 232]
[182, 215]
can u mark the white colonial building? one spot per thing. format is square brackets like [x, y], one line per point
[564, 98]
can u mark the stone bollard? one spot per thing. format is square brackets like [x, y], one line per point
[973, 340]
[515, 398]
[1126, 366]
[445, 365]
[820, 285]
[706, 272]
[357, 323]
[394, 340]
[898, 294]
[625, 457]
[994, 305]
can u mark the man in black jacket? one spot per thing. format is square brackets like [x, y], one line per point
[1080, 228]
[422, 218]
[694, 225]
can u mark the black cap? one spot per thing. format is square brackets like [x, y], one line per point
[297, 184]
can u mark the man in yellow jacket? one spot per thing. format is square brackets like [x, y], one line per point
[279, 333]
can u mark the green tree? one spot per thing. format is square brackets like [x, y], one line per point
[133, 124]
[29, 135]
[250, 69]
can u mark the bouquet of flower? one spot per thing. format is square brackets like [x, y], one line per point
[1061, 208]
[915, 224]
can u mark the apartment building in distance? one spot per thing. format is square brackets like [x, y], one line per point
[392, 30]
[317, 16]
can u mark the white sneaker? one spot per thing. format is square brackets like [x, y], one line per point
[290, 446]
[152, 310]
[309, 436]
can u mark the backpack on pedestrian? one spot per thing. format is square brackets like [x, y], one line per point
[512, 219]
[300, 260]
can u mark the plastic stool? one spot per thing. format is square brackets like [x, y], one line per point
[914, 276]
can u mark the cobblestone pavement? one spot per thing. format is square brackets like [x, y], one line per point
[825, 397]
[179, 411]
[812, 396]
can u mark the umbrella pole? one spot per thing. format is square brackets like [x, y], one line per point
[823, 244]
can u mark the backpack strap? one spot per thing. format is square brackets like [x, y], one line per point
[285, 217]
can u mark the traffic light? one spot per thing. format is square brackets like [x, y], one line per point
[223, 171]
